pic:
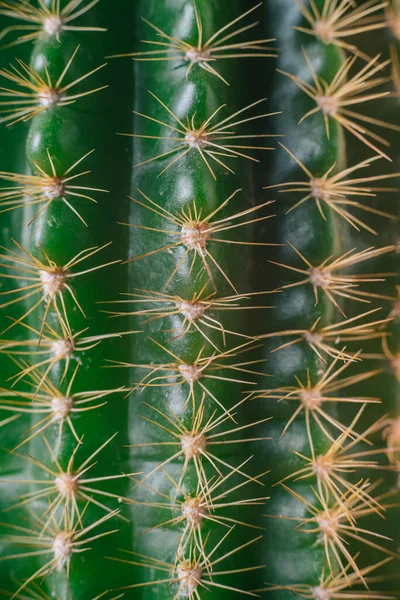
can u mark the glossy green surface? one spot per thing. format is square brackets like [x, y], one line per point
[67, 133]
[293, 557]
[189, 180]
[12, 157]
[386, 384]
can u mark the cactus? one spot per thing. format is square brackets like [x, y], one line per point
[199, 251]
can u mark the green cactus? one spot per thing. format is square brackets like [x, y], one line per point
[199, 314]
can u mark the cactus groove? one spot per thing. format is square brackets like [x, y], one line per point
[199, 294]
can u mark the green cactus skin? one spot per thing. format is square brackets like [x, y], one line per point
[12, 157]
[303, 573]
[295, 308]
[195, 484]
[386, 385]
[191, 186]
[66, 133]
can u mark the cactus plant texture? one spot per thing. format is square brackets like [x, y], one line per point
[199, 294]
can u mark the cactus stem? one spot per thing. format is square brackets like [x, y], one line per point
[340, 521]
[323, 340]
[191, 571]
[194, 233]
[57, 406]
[209, 141]
[180, 373]
[204, 53]
[43, 189]
[312, 397]
[48, 279]
[334, 191]
[324, 276]
[193, 510]
[194, 444]
[50, 21]
[58, 347]
[195, 312]
[339, 585]
[333, 99]
[339, 20]
[339, 460]
[39, 94]
[61, 541]
[66, 487]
